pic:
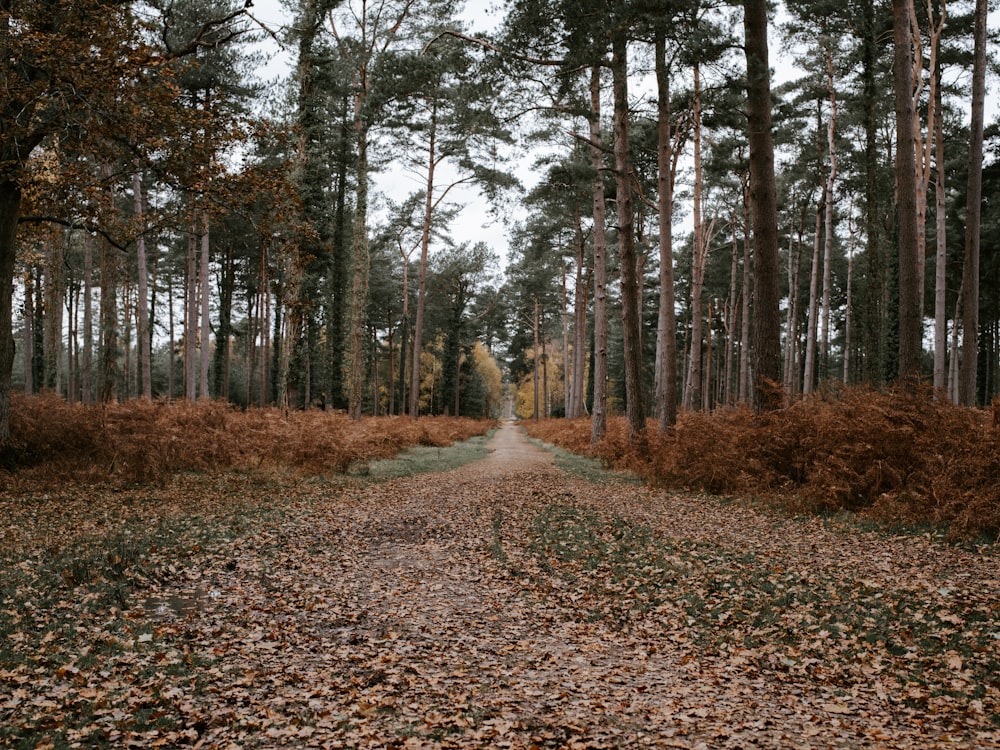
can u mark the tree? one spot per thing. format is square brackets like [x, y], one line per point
[376, 25]
[767, 320]
[910, 349]
[973, 217]
[635, 411]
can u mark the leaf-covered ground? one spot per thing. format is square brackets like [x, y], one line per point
[506, 603]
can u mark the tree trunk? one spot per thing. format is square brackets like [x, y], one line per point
[666, 323]
[191, 313]
[142, 303]
[849, 311]
[875, 325]
[204, 344]
[630, 283]
[831, 130]
[599, 409]
[567, 365]
[910, 349]
[812, 328]
[582, 282]
[745, 384]
[692, 389]
[792, 350]
[10, 208]
[359, 281]
[941, 251]
[28, 335]
[767, 319]
[535, 363]
[973, 218]
[425, 241]
[110, 345]
[730, 317]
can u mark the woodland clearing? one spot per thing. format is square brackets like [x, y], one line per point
[505, 603]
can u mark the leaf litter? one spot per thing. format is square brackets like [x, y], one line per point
[505, 603]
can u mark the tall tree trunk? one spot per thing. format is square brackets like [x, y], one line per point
[86, 357]
[923, 146]
[812, 328]
[831, 130]
[692, 388]
[849, 311]
[730, 317]
[142, 303]
[359, 280]
[973, 218]
[581, 284]
[792, 336]
[941, 251]
[600, 406]
[55, 283]
[666, 322]
[10, 209]
[745, 383]
[630, 285]
[223, 350]
[110, 373]
[567, 364]
[910, 349]
[191, 313]
[28, 335]
[535, 361]
[767, 318]
[203, 294]
[874, 335]
[425, 241]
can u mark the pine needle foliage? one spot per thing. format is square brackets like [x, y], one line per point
[895, 456]
[141, 442]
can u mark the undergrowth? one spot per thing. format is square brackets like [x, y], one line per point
[897, 457]
[148, 443]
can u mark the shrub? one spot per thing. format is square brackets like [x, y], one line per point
[895, 455]
[143, 442]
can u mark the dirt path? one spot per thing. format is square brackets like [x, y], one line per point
[441, 611]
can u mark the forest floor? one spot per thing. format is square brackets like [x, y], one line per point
[505, 603]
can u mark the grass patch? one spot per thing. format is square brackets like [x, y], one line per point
[585, 467]
[423, 459]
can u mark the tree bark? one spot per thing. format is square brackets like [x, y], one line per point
[425, 241]
[666, 323]
[86, 358]
[692, 388]
[204, 344]
[10, 209]
[142, 282]
[831, 130]
[359, 281]
[910, 349]
[28, 336]
[630, 284]
[599, 412]
[941, 251]
[767, 319]
[191, 313]
[973, 218]
[812, 327]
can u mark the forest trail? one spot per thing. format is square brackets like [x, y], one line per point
[508, 603]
